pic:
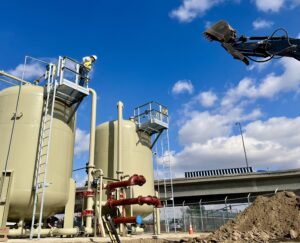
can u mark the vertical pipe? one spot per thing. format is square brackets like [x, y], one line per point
[119, 155]
[226, 206]
[166, 219]
[183, 210]
[91, 165]
[96, 212]
[21, 224]
[248, 198]
[157, 217]
[120, 124]
[241, 131]
[201, 218]
[100, 222]
[131, 206]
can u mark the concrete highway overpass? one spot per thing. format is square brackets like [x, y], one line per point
[237, 186]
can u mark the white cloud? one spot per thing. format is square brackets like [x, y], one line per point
[261, 24]
[34, 68]
[245, 88]
[227, 152]
[211, 139]
[276, 5]
[209, 143]
[251, 116]
[207, 99]
[277, 129]
[269, 5]
[82, 141]
[190, 9]
[202, 126]
[183, 86]
[269, 86]
[162, 162]
[32, 71]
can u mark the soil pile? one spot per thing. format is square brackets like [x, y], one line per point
[267, 219]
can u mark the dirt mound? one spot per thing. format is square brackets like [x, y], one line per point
[267, 219]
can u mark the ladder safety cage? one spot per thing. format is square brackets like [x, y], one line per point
[152, 117]
[73, 79]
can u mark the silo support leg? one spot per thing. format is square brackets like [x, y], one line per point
[5, 185]
[69, 209]
[156, 218]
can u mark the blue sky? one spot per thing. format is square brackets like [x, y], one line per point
[154, 50]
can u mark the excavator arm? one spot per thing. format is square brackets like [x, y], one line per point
[244, 48]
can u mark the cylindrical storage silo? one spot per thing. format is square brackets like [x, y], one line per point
[24, 146]
[136, 157]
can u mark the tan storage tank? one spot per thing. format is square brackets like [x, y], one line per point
[136, 158]
[23, 151]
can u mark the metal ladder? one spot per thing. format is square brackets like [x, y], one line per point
[40, 177]
[111, 229]
[166, 169]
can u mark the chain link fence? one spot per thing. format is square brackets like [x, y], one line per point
[202, 216]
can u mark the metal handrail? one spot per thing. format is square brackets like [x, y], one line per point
[6, 81]
[76, 64]
[73, 71]
[2, 73]
[149, 111]
[151, 102]
[71, 59]
[75, 61]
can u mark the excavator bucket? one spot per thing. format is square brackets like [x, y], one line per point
[224, 33]
[244, 48]
[221, 31]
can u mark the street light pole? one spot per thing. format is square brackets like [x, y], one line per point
[241, 131]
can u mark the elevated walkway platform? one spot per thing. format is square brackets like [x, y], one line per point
[152, 118]
[73, 81]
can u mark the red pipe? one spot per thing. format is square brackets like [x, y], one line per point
[138, 200]
[126, 220]
[133, 180]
